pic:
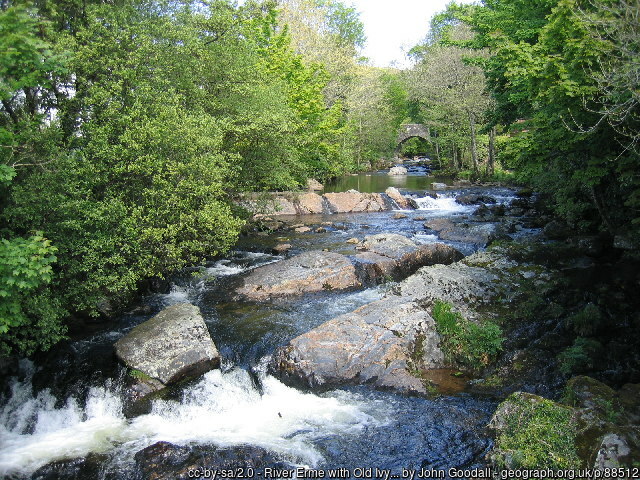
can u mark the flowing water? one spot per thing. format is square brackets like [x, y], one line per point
[69, 404]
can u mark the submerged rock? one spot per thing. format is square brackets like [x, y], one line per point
[312, 271]
[172, 346]
[383, 343]
[165, 461]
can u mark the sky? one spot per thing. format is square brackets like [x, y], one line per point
[393, 27]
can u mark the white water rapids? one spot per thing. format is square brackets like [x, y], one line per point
[224, 409]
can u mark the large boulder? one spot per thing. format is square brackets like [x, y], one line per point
[172, 346]
[479, 234]
[165, 461]
[466, 284]
[394, 194]
[397, 171]
[385, 343]
[310, 203]
[312, 271]
[353, 201]
[474, 199]
[390, 255]
[314, 185]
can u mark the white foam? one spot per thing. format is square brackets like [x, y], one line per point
[223, 409]
[225, 268]
[443, 204]
[423, 238]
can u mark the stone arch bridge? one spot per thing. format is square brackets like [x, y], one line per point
[412, 130]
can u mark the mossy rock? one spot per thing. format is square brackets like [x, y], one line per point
[587, 392]
[533, 432]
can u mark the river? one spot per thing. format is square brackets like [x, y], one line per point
[69, 403]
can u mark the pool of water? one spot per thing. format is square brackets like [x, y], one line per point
[418, 180]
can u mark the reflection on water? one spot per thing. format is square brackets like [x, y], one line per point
[380, 181]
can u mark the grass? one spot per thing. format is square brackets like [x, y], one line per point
[468, 344]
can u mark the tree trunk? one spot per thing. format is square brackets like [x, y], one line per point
[438, 153]
[492, 151]
[454, 158]
[474, 147]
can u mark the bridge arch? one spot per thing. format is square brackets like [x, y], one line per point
[412, 130]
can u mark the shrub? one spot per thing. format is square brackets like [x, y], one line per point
[579, 357]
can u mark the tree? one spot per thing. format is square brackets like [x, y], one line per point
[541, 71]
[451, 89]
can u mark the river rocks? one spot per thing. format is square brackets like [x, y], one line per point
[595, 429]
[165, 461]
[479, 233]
[556, 230]
[280, 206]
[394, 194]
[312, 271]
[462, 283]
[397, 171]
[390, 255]
[475, 199]
[383, 343]
[310, 203]
[439, 186]
[314, 185]
[172, 346]
[281, 248]
[353, 201]
[82, 468]
[304, 229]
[398, 216]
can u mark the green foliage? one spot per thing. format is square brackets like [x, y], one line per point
[143, 120]
[553, 67]
[586, 321]
[579, 357]
[538, 433]
[29, 318]
[469, 344]
[415, 146]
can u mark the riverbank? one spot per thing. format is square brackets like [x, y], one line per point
[519, 283]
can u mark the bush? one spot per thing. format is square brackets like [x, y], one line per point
[468, 344]
[579, 357]
[586, 321]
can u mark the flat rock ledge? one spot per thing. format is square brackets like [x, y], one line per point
[394, 256]
[383, 343]
[172, 346]
[308, 272]
[290, 203]
[381, 257]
